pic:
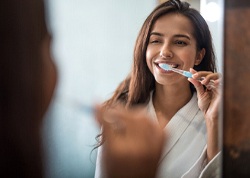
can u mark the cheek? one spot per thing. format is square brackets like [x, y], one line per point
[49, 76]
[52, 75]
[189, 58]
[50, 81]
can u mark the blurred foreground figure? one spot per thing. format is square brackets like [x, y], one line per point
[27, 81]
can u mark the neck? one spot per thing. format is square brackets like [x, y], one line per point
[168, 100]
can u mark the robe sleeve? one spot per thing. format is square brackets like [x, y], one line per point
[203, 170]
[213, 168]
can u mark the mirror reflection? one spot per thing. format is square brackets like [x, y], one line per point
[93, 44]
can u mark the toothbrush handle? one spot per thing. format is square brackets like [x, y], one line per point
[190, 75]
[210, 84]
[187, 74]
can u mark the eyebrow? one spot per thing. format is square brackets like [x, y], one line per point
[156, 33]
[176, 35]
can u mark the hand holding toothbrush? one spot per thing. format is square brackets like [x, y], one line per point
[207, 96]
[209, 100]
[209, 83]
[209, 79]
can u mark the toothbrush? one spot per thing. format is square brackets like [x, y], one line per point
[182, 72]
[179, 71]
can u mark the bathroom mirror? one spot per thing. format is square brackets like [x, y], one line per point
[93, 45]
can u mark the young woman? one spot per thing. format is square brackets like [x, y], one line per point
[186, 108]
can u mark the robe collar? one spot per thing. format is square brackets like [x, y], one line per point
[178, 123]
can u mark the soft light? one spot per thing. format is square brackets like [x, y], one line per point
[211, 12]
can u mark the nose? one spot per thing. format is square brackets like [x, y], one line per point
[166, 51]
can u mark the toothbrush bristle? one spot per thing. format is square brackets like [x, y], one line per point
[165, 66]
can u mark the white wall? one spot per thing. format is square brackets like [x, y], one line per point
[93, 45]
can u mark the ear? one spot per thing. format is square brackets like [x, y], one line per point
[200, 56]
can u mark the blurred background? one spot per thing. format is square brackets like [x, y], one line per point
[92, 46]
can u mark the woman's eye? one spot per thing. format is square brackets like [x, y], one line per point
[181, 43]
[154, 41]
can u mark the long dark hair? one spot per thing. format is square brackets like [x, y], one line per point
[136, 88]
[22, 29]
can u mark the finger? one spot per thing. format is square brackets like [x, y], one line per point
[198, 86]
[212, 76]
[200, 76]
[203, 77]
[213, 81]
[207, 76]
[214, 85]
[114, 122]
[192, 70]
[101, 114]
[111, 121]
[218, 83]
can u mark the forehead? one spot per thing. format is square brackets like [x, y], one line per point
[173, 23]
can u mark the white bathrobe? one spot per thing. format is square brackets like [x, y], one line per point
[184, 154]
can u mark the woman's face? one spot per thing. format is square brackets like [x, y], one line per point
[172, 42]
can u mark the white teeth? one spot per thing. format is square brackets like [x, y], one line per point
[170, 65]
[174, 65]
[165, 66]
